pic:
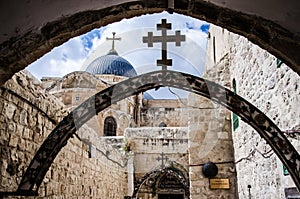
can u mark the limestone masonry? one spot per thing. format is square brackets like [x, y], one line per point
[147, 148]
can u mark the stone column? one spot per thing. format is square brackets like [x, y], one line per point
[130, 170]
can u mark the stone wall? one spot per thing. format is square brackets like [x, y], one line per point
[149, 145]
[27, 117]
[83, 172]
[210, 140]
[76, 87]
[171, 113]
[210, 127]
[275, 90]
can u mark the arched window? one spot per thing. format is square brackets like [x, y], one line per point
[162, 124]
[110, 126]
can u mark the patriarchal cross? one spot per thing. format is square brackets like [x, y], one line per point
[162, 158]
[164, 38]
[113, 40]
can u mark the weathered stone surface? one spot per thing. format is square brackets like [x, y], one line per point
[268, 87]
[23, 47]
[210, 141]
[27, 123]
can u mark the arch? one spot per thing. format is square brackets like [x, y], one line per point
[21, 44]
[59, 137]
[162, 124]
[110, 126]
[158, 176]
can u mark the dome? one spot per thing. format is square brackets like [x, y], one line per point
[111, 63]
[147, 96]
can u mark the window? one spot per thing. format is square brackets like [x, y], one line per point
[110, 126]
[162, 124]
[235, 118]
[77, 98]
[169, 109]
[285, 171]
[278, 63]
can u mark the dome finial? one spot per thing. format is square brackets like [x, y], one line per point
[113, 40]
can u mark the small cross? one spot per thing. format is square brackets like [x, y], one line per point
[162, 158]
[164, 38]
[113, 40]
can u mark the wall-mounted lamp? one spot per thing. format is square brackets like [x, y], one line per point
[210, 170]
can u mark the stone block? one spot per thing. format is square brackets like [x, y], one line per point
[4, 137]
[19, 130]
[9, 110]
[223, 135]
[36, 137]
[26, 133]
[32, 120]
[16, 116]
[13, 140]
[23, 117]
[21, 144]
[2, 102]
[40, 119]
[11, 127]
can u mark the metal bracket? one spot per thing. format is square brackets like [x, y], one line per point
[170, 8]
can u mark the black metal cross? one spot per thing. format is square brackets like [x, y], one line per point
[113, 40]
[164, 38]
[162, 158]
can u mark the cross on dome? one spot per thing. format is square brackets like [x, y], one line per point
[113, 40]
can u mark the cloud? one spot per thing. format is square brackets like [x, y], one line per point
[61, 60]
[90, 38]
[78, 52]
[143, 58]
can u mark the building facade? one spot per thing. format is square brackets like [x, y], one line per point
[145, 148]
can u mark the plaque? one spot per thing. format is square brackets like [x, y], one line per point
[219, 183]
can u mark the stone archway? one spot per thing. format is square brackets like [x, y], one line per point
[157, 179]
[40, 28]
[59, 137]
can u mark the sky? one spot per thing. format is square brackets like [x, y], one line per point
[78, 52]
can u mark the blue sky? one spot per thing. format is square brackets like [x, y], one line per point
[78, 52]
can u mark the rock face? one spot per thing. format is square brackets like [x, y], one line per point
[272, 87]
[27, 117]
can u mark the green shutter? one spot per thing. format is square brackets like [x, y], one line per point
[285, 171]
[278, 63]
[235, 117]
[235, 121]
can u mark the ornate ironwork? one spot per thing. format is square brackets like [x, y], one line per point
[158, 176]
[164, 38]
[58, 138]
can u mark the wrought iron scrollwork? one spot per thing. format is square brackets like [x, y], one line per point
[58, 138]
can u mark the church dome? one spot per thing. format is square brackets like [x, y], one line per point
[113, 64]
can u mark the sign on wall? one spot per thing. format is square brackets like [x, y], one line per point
[222, 183]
